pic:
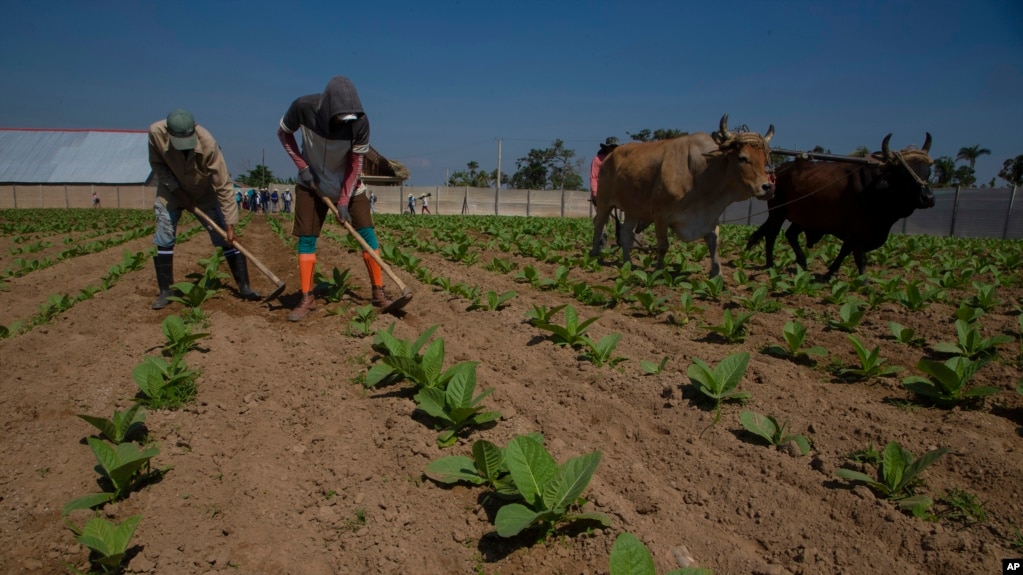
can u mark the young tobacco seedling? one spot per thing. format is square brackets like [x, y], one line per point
[455, 404]
[334, 288]
[719, 383]
[898, 477]
[732, 327]
[968, 313]
[572, 333]
[122, 465]
[487, 466]
[107, 543]
[542, 314]
[123, 426]
[651, 368]
[650, 303]
[164, 385]
[361, 324]
[905, 335]
[985, 297]
[914, 299]
[630, 557]
[192, 295]
[494, 301]
[710, 289]
[851, 315]
[180, 339]
[971, 344]
[871, 366]
[946, 386]
[758, 301]
[549, 491]
[767, 427]
[601, 353]
[795, 335]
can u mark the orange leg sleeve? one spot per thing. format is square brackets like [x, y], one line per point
[376, 275]
[306, 266]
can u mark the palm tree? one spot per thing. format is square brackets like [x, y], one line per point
[971, 153]
[944, 171]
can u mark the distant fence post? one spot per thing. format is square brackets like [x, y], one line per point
[562, 201]
[118, 196]
[529, 199]
[14, 192]
[497, 194]
[40, 195]
[436, 203]
[955, 210]
[1005, 228]
[67, 202]
[749, 212]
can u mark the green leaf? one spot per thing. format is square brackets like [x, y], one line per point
[571, 480]
[488, 458]
[893, 464]
[630, 557]
[87, 502]
[513, 518]
[454, 469]
[108, 541]
[861, 477]
[731, 369]
[431, 400]
[531, 467]
[761, 425]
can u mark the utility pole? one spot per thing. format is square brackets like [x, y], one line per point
[264, 167]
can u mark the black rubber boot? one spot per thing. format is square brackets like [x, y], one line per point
[240, 270]
[164, 279]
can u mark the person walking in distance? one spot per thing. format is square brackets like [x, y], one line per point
[411, 204]
[426, 205]
[335, 139]
[191, 175]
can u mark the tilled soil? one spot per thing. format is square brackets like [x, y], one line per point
[286, 465]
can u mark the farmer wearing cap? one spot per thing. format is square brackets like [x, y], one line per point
[335, 138]
[191, 174]
[411, 204]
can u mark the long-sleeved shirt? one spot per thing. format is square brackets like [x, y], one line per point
[200, 173]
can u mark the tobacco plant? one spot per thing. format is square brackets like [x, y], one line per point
[946, 385]
[601, 353]
[362, 324]
[180, 339]
[164, 384]
[123, 426]
[758, 301]
[851, 315]
[651, 368]
[898, 477]
[542, 314]
[572, 333]
[107, 543]
[985, 297]
[332, 289]
[494, 302]
[650, 303]
[123, 466]
[794, 334]
[402, 361]
[719, 383]
[905, 335]
[971, 344]
[871, 366]
[455, 405]
[732, 327]
[487, 466]
[767, 427]
[550, 492]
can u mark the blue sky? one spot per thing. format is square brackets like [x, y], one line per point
[442, 81]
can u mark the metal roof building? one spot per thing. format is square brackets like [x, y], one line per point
[107, 157]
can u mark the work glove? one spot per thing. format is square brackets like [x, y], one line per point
[306, 178]
[343, 214]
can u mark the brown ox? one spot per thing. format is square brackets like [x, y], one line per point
[682, 184]
[856, 203]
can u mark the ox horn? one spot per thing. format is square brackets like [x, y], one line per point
[927, 143]
[884, 146]
[723, 127]
[769, 134]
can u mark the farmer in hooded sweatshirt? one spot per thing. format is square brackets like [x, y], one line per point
[191, 175]
[335, 138]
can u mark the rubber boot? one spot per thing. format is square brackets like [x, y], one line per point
[240, 270]
[307, 305]
[164, 279]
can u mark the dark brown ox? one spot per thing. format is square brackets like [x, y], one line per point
[857, 203]
[682, 184]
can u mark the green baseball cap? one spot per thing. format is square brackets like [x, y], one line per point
[181, 127]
